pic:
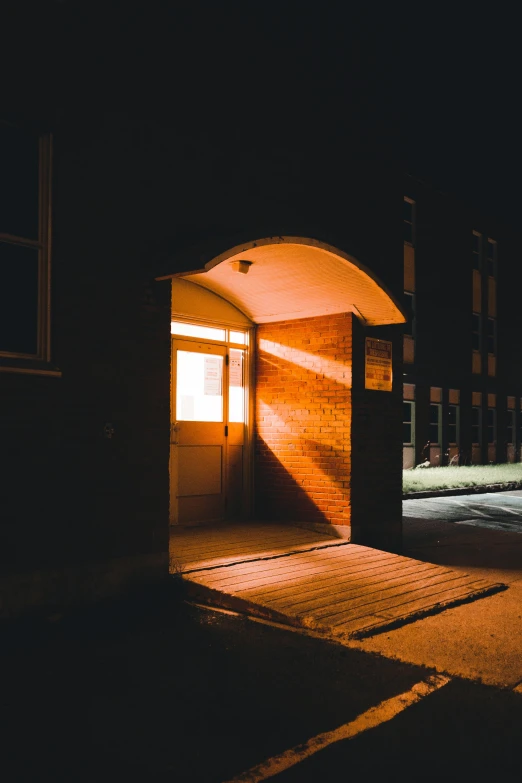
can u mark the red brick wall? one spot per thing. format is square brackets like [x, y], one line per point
[303, 420]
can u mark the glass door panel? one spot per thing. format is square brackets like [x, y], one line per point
[236, 386]
[199, 387]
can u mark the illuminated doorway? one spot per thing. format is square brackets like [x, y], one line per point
[301, 299]
[209, 427]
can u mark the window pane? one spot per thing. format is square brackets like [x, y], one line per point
[452, 424]
[475, 337]
[408, 233]
[491, 335]
[238, 337]
[408, 211]
[406, 411]
[18, 299]
[510, 426]
[475, 426]
[492, 252]
[236, 397]
[434, 423]
[406, 433]
[193, 330]
[199, 386]
[491, 425]
[18, 183]
[409, 302]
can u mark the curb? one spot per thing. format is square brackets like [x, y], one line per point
[435, 493]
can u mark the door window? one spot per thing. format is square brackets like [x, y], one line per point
[199, 387]
[236, 396]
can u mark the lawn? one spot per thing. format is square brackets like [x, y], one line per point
[422, 479]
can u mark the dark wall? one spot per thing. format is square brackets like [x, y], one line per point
[376, 495]
[134, 197]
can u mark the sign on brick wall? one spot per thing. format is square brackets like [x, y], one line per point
[378, 365]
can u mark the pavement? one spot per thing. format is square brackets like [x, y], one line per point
[158, 690]
[476, 534]
[475, 540]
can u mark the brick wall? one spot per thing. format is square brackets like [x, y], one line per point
[303, 420]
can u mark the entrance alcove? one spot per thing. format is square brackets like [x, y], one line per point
[264, 337]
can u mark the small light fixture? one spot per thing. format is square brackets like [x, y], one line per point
[242, 266]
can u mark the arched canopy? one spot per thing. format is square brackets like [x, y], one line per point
[285, 278]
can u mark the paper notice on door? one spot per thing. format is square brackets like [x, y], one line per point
[213, 376]
[236, 368]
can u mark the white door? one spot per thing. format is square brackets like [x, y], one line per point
[207, 432]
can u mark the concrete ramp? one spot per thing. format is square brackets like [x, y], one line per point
[325, 584]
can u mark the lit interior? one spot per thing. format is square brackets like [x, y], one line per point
[238, 337]
[236, 389]
[193, 330]
[199, 387]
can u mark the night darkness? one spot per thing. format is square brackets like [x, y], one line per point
[437, 93]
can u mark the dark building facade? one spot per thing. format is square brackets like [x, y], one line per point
[140, 258]
[122, 234]
[462, 353]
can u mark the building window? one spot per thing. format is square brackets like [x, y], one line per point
[510, 430]
[24, 243]
[407, 423]
[476, 426]
[492, 336]
[492, 425]
[435, 421]
[453, 425]
[409, 221]
[409, 326]
[492, 258]
[476, 332]
[477, 250]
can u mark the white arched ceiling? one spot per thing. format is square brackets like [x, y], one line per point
[296, 277]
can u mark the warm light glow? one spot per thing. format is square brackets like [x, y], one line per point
[236, 388]
[306, 422]
[199, 387]
[238, 337]
[194, 330]
[337, 371]
[241, 265]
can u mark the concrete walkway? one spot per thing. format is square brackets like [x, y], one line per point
[481, 640]
[309, 580]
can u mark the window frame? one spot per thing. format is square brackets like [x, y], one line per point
[493, 426]
[411, 422]
[411, 223]
[491, 243]
[476, 318]
[37, 363]
[410, 325]
[478, 425]
[438, 423]
[456, 424]
[511, 431]
[492, 322]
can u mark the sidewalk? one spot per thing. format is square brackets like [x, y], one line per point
[480, 640]
[434, 493]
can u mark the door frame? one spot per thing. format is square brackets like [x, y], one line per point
[249, 385]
